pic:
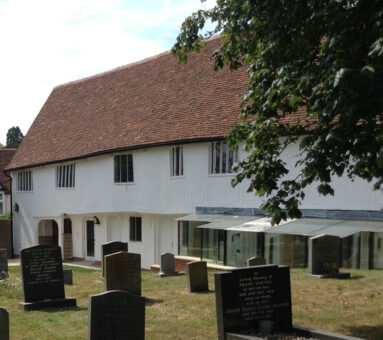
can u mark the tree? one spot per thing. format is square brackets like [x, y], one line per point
[320, 57]
[14, 137]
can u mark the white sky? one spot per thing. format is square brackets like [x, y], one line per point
[45, 43]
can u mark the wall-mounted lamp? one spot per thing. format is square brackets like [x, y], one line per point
[16, 207]
[96, 220]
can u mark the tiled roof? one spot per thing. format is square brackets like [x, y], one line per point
[152, 102]
[6, 155]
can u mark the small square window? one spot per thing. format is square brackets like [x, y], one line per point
[24, 180]
[221, 158]
[65, 176]
[123, 168]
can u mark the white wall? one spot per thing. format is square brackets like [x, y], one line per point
[154, 194]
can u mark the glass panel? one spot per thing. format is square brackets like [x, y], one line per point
[378, 251]
[117, 174]
[211, 245]
[351, 251]
[224, 151]
[130, 168]
[217, 157]
[241, 246]
[272, 248]
[124, 169]
[190, 236]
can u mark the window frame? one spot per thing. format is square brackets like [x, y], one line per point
[66, 176]
[135, 228]
[123, 163]
[221, 158]
[24, 181]
[176, 160]
[2, 203]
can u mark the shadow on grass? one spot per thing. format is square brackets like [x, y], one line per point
[55, 310]
[151, 302]
[206, 292]
[367, 332]
[355, 277]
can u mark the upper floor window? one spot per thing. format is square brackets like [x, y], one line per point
[221, 158]
[135, 233]
[176, 161]
[65, 176]
[24, 180]
[123, 168]
[2, 204]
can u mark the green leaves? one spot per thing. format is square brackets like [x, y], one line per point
[323, 58]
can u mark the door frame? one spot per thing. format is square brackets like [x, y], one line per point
[85, 239]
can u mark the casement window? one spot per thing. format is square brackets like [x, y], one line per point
[65, 176]
[24, 180]
[176, 161]
[135, 233]
[221, 158]
[2, 204]
[123, 168]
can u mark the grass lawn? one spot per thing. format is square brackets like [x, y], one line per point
[353, 307]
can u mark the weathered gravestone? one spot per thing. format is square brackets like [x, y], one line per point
[42, 277]
[110, 248]
[68, 277]
[197, 276]
[123, 272]
[324, 256]
[248, 297]
[4, 324]
[116, 315]
[3, 264]
[167, 265]
[256, 261]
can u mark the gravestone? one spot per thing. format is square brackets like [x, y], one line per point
[167, 265]
[115, 315]
[68, 277]
[197, 276]
[3, 264]
[324, 256]
[246, 298]
[42, 277]
[110, 248]
[256, 261]
[4, 324]
[123, 272]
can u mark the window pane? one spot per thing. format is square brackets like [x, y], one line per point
[217, 157]
[224, 150]
[132, 231]
[138, 229]
[124, 169]
[130, 168]
[181, 161]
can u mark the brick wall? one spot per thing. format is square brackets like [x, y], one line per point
[5, 236]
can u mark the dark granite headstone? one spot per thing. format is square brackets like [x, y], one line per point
[68, 277]
[3, 264]
[110, 248]
[167, 265]
[123, 272]
[197, 276]
[256, 261]
[116, 315]
[247, 296]
[324, 256]
[42, 277]
[4, 324]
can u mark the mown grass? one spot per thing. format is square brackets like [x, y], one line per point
[353, 307]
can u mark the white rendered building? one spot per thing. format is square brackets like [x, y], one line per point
[138, 154]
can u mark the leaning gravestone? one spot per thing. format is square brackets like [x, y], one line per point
[123, 272]
[324, 257]
[249, 298]
[4, 324]
[3, 264]
[256, 261]
[42, 277]
[197, 276]
[110, 248]
[116, 315]
[167, 265]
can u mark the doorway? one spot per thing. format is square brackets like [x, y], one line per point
[90, 240]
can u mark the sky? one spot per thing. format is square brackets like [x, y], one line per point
[45, 43]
